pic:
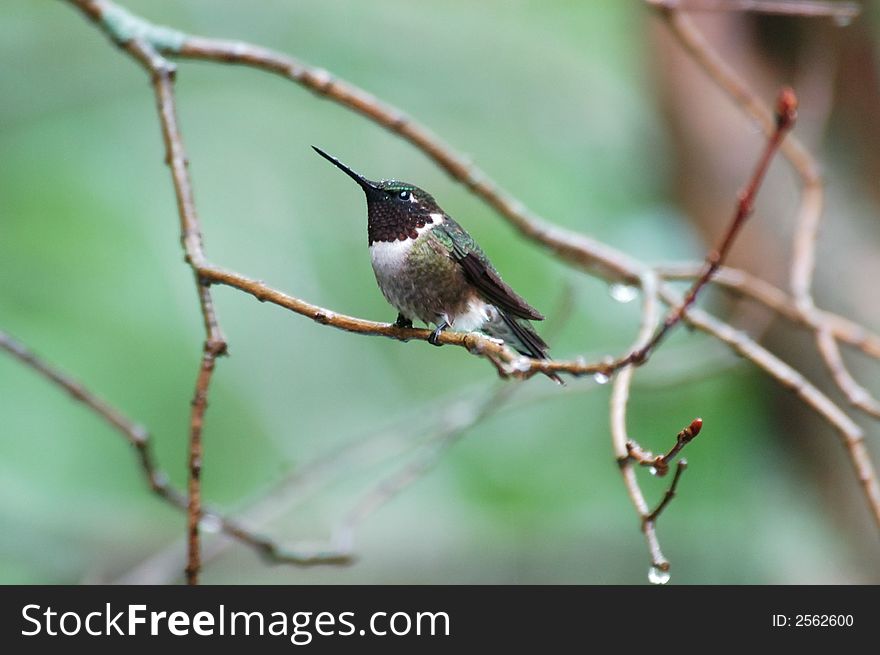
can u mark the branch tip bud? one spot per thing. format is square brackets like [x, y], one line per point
[786, 108]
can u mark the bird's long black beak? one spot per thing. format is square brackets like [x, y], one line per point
[368, 186]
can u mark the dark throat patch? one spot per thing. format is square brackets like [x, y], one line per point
[393, 222]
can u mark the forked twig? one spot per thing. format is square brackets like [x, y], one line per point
[669, 494]
[659, 464]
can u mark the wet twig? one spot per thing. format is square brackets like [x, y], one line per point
[659, 464]
[669, 495]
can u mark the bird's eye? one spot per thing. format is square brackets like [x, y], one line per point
[403, 195]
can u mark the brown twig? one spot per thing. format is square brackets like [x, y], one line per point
[619, 435]
[132, 36]
[670, 492]
[625, 447]
[215, 343]
[191, 240]
[659, 464]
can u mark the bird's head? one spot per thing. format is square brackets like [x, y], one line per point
[395, 209]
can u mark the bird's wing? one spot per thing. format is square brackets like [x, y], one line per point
[479, 271]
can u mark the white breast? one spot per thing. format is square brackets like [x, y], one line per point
[389, 257]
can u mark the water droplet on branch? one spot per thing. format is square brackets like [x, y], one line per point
[623, 292]
[521, 364]
[601, 378]
[657, 575]
[211, 524]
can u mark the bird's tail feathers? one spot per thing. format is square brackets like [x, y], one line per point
[523, 338]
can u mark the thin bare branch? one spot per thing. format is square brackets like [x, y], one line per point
[670, 492]
[135, 37]
[619, 436]
[659, 464]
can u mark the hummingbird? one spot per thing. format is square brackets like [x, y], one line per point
[430, 269]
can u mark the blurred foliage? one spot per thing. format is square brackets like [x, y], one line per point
[559, 109]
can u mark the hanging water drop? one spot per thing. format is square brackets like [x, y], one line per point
[623, 292]
[652, 471]
[521, 364]
[211, 524]
[656, 575]
[842, 20]
[601, 378]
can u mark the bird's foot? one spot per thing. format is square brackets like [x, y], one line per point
[433, 339]
[403, 322]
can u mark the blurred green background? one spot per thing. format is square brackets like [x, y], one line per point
[561, 102]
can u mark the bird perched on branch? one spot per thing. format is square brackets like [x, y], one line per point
[429, 268]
